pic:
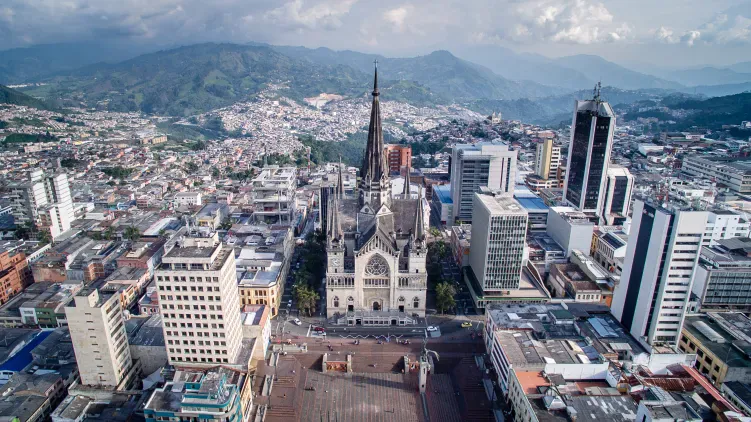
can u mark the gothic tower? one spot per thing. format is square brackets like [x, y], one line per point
[374, 185]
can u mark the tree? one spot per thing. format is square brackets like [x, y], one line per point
[444, 296]
[132, 233]
[306, 298]
[45, 237]
[437, 251]
[435, 232]
[215, 172]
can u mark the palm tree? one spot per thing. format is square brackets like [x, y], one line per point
[306, 298]
[132, 233]
[444, 296]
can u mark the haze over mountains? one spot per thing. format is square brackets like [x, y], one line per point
[201, 77]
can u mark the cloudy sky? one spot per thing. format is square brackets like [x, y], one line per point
[644, 32]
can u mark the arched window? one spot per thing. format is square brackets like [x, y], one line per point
[402, 299]
[416, 302]
[350, 299]
[336, 301]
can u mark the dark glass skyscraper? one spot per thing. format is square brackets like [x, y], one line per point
[589, 154]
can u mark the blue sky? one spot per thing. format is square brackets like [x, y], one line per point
[663, 33]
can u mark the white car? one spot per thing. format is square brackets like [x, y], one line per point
[297, 321]
[432, 328]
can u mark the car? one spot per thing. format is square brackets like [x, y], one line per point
[432, 328]
[319, 329]
[466, 324]
[297, 321]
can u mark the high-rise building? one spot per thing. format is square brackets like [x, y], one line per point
[725, 224]
[198, 294]
[548, 159]
[487, 164]
[661, 260]
[499, 227]
[44, 201]
[398, 157]
[97, 330]
[617, 203]
[589, 154]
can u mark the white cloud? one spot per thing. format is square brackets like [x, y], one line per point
[396, 17]
[732, 26]
[320, 14]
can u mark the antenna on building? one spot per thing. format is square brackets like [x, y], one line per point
[596, 92]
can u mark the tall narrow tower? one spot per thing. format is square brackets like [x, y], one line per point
[589, 154]
[374, 186]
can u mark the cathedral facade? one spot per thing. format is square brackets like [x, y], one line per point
[376, 244]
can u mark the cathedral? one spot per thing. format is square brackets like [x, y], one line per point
[376, 244]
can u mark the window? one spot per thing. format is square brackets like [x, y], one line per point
[416, 302]
[336, 301]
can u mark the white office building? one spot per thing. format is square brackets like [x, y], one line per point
[44, 201]
[490, 164]
[661, 260]
[589, 154]
[498, 238]
[200, 304]
[723, 225]
[618, 189]
[97, 330]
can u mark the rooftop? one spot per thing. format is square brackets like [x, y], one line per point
[718, 340]
[497, 204]
[145, 331]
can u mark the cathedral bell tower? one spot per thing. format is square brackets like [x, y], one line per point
[374, 185]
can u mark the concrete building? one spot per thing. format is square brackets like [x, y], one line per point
[536, 209]
[618, 189]
[441, 204]
[483, 164]
[200, 305]
[592, 131]
[14, 274]
[498, 231]
[571, 229]
[273, 194]
[146, 340]
[213, 396]
[725, 224]
[610, 250]
[661, 258]
[547, 159]
[461, 237]
[738, 393]
[257, 325]
[188, 199]
[44, 201]
[397, 157]
[733, 173]
[97, 329]
[723, 276]
[720, 342]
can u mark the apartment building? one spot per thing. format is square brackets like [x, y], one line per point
[14, 274]
[618, 189]
[44, 201]
[97, 329]
[200, 306]
[723, 276]
[547, 159]
[489, 164]
[397, 157]
[658, 273]
[725, 224]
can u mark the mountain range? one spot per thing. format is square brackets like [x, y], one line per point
[197, 78]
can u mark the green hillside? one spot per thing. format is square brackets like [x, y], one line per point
[199, 78]
[710, 113]
[11, 96]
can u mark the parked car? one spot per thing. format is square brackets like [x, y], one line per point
[466, 324]
[432, 328]
[297, 321]
[319, 329]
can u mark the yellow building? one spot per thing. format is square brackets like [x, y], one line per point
[261, 288]
[718, 344]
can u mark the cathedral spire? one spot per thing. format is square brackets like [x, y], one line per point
[340, 179]
[335, 226]
[374, 165]
[419, 230]
[406, 192]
